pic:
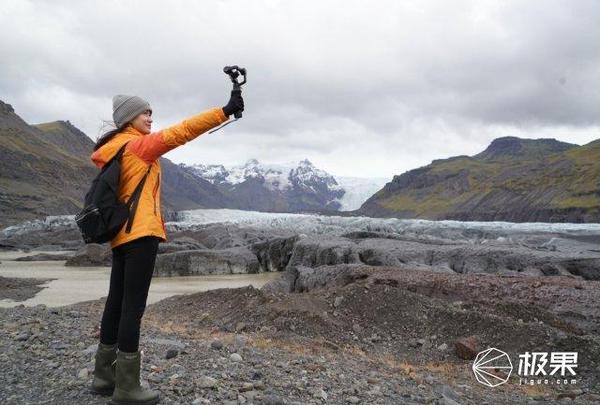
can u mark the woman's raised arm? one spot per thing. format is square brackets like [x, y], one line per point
[152, 146]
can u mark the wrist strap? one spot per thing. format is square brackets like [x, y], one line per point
[221, 126]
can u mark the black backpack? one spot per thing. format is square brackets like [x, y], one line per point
[103, 214]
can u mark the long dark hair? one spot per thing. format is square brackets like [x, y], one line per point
[107, 137]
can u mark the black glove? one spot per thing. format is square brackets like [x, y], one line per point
[235, 104]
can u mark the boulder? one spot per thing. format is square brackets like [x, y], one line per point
[237, 260]
[91, 255]
[467, 348]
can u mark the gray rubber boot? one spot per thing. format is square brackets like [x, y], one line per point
[128, 390]
[104, 369]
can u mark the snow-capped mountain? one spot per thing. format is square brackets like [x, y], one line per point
[291, 187]
[288, 187]
[275, 176]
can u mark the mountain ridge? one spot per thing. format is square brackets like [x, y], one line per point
[513, 179]
[46, 170]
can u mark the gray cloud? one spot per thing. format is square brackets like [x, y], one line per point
[363, 89]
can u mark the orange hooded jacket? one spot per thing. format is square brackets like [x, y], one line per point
[143, 152]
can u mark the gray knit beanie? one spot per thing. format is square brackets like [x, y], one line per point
[126, 108]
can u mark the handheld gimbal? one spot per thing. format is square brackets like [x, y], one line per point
[234, 72]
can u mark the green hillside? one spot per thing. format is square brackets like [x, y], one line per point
[38, 177]
[514, 179]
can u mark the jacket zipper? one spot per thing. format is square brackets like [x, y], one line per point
[155, 191]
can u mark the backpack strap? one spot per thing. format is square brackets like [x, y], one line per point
[121, 151]
[133, 200]
[132, 203]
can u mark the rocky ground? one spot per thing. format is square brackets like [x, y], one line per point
[374, 335]
[364, 316]
[20, 289]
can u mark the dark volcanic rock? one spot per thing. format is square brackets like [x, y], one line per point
[275, 254]
[313, 261]
[91, 255]
[308, 279]
[321, 250]
[221, 236]
[589, 269]
[235, 260]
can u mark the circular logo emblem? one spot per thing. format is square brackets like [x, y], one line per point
[492, 367]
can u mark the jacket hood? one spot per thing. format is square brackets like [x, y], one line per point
[107, 151]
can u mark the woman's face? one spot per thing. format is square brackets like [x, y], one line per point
[143, 122]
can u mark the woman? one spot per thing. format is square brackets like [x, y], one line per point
[134, 252]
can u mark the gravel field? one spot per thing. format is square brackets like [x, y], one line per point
[246, 346]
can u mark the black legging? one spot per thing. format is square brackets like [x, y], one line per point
[130, 277]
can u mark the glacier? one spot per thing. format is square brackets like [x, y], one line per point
[358, 190]
[472, 231]
[326, 223]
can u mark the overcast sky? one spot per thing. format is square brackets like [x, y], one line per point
[360, 88]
